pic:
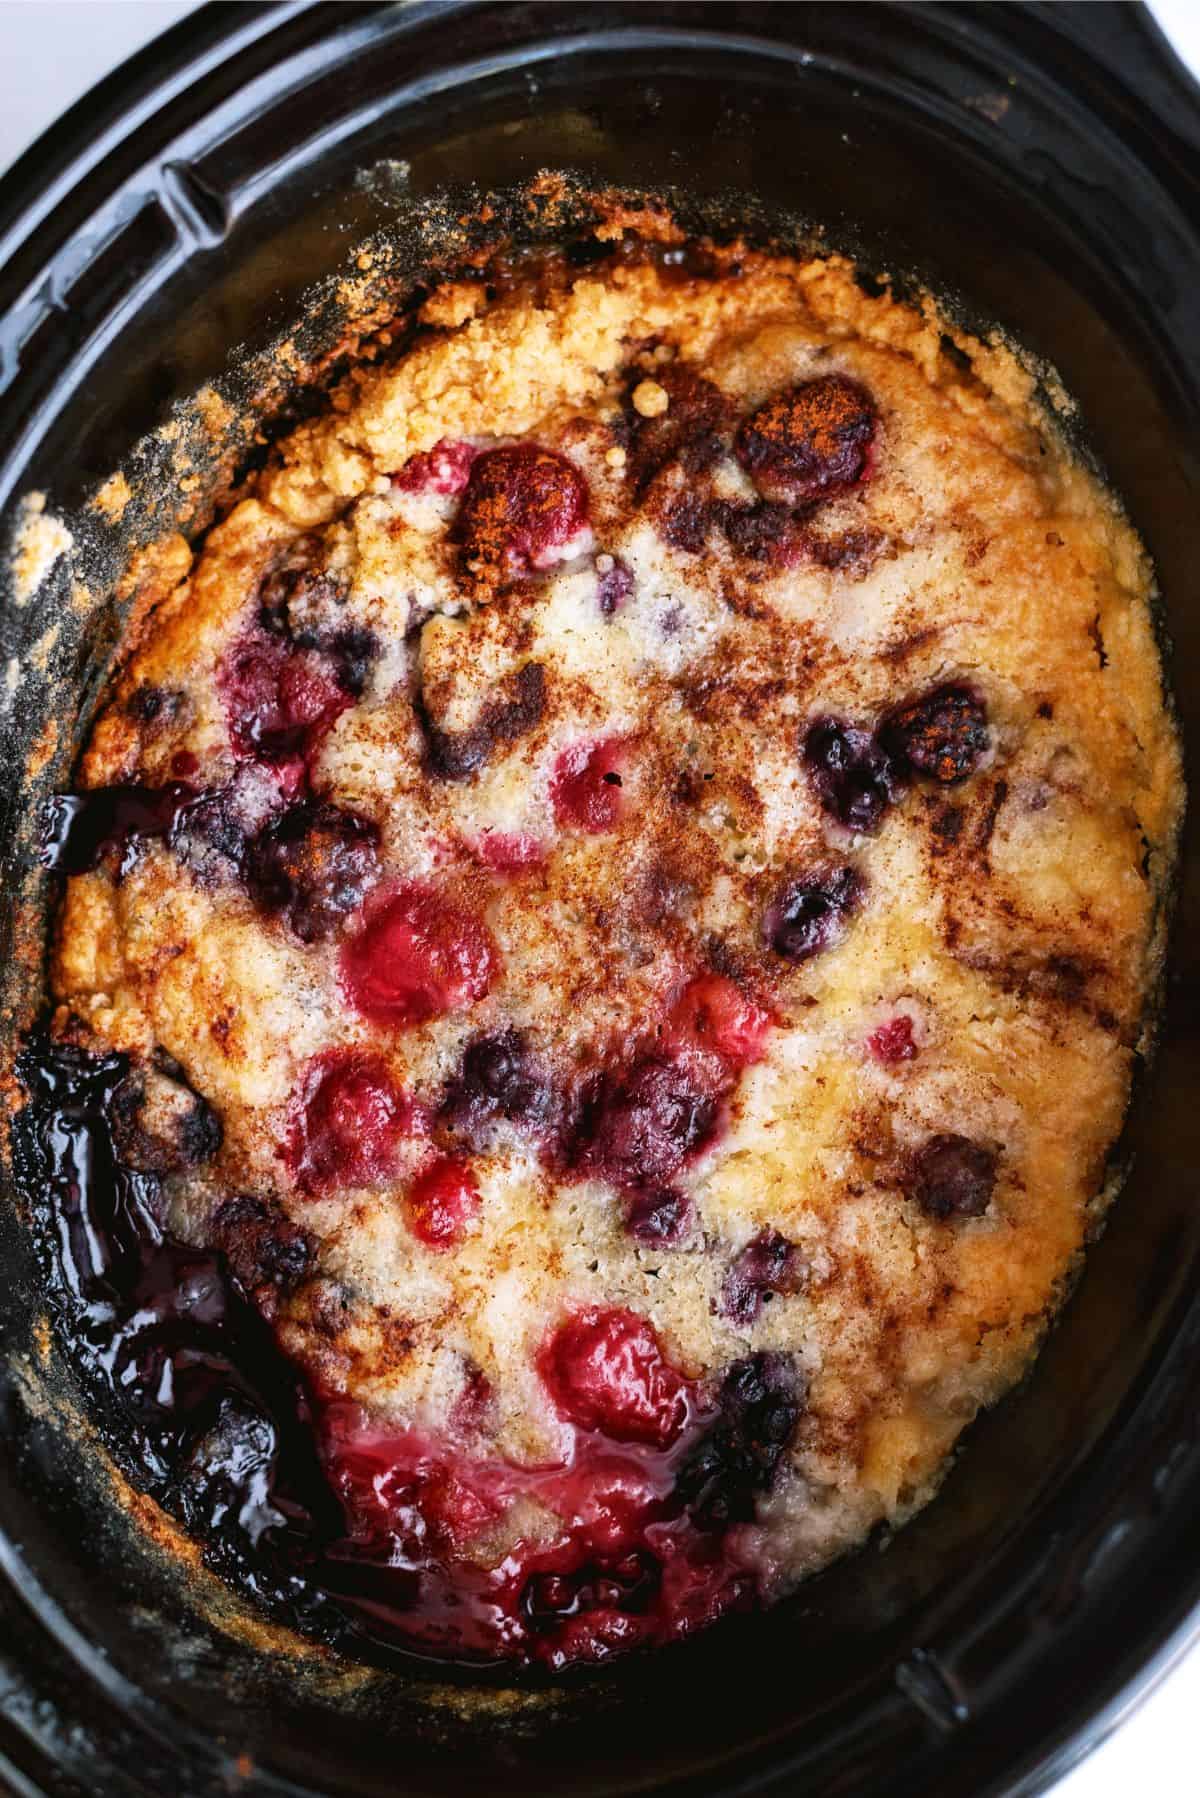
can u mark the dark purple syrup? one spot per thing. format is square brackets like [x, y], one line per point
[78, 829]
[191, 1392]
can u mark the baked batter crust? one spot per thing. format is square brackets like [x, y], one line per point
[673, 798]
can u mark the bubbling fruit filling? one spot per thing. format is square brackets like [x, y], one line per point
[604, 935]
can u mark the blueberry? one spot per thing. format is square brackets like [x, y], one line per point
[758, 1406]
[951, 1176]
[638, 1127]
[852, 775]
[768, 1264]
[811, 913]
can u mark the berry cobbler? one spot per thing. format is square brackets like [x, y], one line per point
[606, 928]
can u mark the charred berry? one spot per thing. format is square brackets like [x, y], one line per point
[268, 1253]
[812, 914]
[685, 520]
[160, 1126]
[690, 431]
[765, 533]
[852, 776]
[454, 755]
[313, 866]
[810, 443]
[951, 1176]
[638, 1128]
[522, 506]
[942, 736]
[736, 1460]
[768, 1264]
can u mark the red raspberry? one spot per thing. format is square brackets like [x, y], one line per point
[893, 1041]
[443, 469]
[521, 506]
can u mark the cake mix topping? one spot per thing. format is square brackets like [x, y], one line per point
[603, 939]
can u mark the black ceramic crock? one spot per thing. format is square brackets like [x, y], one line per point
[1044, 162]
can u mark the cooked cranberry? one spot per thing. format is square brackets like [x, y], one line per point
[279, 701]
[415, 956]
[848, 552]
[715, 1016]
[809, 443]
[638, 1128]
[606, 1371]
[508, 852]
[852, 776]
[522, 505]
[586, 786]
[942, 736]
[893, 1041]
[443, 1203]
[768, 1264]
[443, 469]
[952, 1176]
[313, 865]
[659, 1218]
[811, 914]
[347, 1121]
[758, 1407]
[614, 583]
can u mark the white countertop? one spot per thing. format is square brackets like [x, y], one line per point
[51, 52]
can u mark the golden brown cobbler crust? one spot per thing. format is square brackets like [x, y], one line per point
[1013, 918]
